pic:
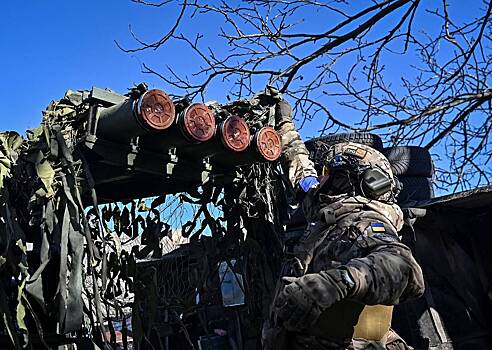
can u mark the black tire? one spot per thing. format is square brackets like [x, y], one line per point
[364, 138]
[410, 161]
[415, 189]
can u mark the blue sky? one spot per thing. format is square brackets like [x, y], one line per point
[48, 47]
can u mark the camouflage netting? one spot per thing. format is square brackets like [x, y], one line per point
[67, 264]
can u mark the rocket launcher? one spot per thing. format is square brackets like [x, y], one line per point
[146, 144]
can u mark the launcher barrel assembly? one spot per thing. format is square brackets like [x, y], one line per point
[146, 144]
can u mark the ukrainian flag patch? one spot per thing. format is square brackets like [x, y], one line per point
[377, 227]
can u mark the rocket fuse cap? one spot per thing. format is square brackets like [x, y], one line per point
[156, 109]
[235, 133]
[198, 122]
[268, 143]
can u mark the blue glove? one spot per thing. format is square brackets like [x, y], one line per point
[308, 182]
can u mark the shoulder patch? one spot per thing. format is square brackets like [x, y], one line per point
[377, 227]
[356, 151]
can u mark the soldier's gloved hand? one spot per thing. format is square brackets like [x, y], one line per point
[308, 182]
[303, 299]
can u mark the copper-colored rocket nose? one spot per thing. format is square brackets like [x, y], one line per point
[235, 133]
[156, 109]
[268, 143]
[199, 122]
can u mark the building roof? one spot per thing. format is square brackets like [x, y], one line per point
[473, 199]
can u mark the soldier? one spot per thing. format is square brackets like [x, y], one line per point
[354, 267]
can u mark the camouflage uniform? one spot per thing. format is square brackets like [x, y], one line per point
[295, 156]
[353, 258]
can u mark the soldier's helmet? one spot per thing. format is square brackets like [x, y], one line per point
[359, 170]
